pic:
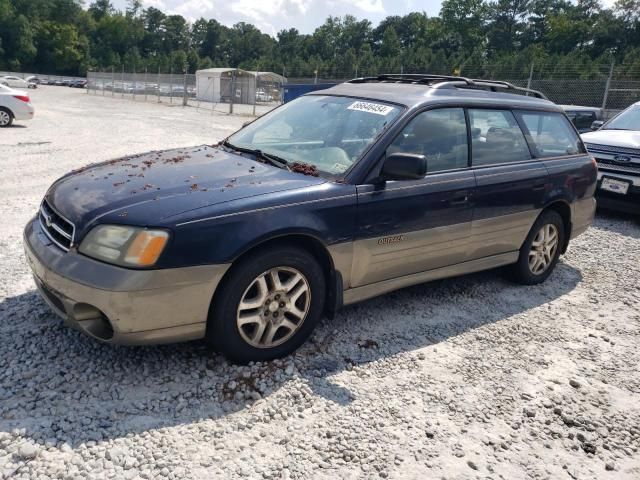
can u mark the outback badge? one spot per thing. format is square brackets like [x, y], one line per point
[389, 240]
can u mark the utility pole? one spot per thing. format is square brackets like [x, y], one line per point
[171, 82]
[184, 85]
[233, 89]
[607, 86]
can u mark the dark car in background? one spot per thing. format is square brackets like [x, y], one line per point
[583, 117]
[336, 197]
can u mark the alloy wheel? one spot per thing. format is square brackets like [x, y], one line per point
[543, 249]
[5, 118]
[273, 307]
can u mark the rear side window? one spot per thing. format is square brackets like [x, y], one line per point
[496, 137]
[551, 134]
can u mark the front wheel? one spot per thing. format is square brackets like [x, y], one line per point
[541, 250]
[268, 305]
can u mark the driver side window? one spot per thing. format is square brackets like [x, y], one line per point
[440, 135]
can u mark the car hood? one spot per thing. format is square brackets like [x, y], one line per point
[614, 138]
[167, 183]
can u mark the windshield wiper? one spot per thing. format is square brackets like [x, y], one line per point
[269, 157]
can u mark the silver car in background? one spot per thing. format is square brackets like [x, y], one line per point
[14, 105]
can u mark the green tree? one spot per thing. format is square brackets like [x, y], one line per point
[465, 21]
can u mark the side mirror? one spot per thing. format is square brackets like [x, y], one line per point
[597, 125]
[404, 166]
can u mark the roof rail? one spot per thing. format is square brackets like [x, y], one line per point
[447, 81]
[408, 78]
[492, 85]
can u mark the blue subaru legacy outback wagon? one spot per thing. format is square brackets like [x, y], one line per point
[338, 196]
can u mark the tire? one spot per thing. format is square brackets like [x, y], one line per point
[6, 117]
[537, 259]
[241, 331]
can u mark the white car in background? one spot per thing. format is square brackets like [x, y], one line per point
[16, 82]
[14, 105]
[615, 144]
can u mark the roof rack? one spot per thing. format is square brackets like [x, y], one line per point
[447, 81]
[408, 78]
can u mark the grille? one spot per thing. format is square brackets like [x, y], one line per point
[604, 164]
[610, 149]
[59, 230]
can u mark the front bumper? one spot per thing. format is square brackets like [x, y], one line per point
[120, 305]
[629, 203]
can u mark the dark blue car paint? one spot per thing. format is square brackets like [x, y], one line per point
[324, 212]
[152, 188]
[218, 204]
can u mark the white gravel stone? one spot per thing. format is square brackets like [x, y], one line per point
[28, 450]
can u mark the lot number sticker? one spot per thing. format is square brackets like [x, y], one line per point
[376, 108]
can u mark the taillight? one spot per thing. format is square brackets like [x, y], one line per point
[594, 162]
[24, 98]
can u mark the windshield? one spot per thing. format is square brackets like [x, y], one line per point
[329, 133]
[629, 119]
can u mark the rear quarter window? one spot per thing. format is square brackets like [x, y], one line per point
[550, 134]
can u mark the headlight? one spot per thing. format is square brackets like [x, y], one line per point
[124, 245]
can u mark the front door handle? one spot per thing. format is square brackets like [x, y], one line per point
[460, 200]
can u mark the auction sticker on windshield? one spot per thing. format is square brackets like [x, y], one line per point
[369, 107]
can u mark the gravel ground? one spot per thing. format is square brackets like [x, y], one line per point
[465, 378]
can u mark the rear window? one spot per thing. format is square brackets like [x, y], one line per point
[550, 134]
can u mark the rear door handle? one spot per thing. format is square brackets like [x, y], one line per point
[537, 188]
[460, 200]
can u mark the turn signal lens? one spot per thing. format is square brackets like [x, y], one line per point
[124, 245]
[146, 248]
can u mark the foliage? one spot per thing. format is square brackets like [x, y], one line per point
[499, 38]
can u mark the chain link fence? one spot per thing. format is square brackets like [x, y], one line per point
[606, 86]
[234, 92]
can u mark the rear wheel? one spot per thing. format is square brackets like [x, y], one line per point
[268, 305]
[6, 118]
[541, 250]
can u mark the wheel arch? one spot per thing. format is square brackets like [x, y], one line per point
[563, 208]
[309, 243]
